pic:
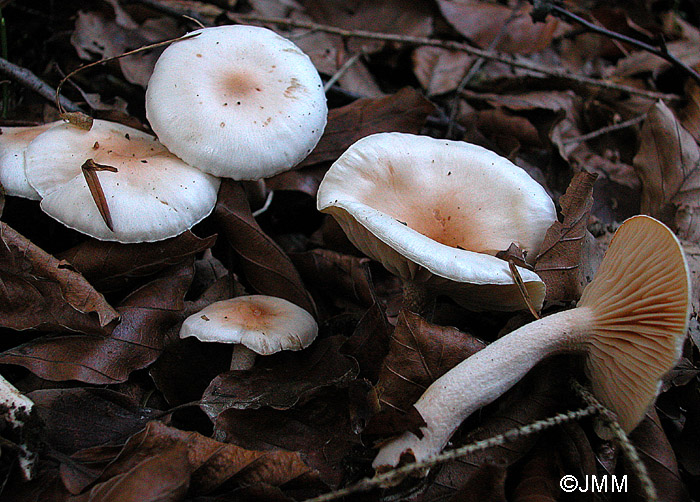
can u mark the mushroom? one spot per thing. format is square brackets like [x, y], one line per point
[13, 144]
[630, 323]
[434, 212]
[237, 101]
[150, 194]
[257, 324]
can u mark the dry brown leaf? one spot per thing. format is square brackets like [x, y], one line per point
[645, 62]
[404, 111]
[146, 315]
[268, 269]
[319, 430]
[282, 383]
[85, 417]
[369, 342]
[111, 265]
[440, 70]
[404, 17]
[96, 34]
[559, 261]
[419, 353]
[481, 22]
[660, 460]
[689, 115]
[336, 274]
[40, 291]
[668, 163]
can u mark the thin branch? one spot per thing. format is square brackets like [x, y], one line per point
[31, 81]
[456, 46]
[661, 52]
[394, 476]
[420, 41]
[627, 447]
[341, 71]
[605, 130]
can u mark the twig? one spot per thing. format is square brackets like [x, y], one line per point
[605, 130]
[662, 52]
[627, 447]
[420, 41]
[31, 81]
[394, 476]
[341, 71]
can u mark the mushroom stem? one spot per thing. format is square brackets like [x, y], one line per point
[418, 299]
[16, 410]
[242, 358]
[483, 377]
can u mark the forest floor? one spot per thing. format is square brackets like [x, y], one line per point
[598, 98]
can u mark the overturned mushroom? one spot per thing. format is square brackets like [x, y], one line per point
[434, 212]
[257, 324]
[237, 101]
[630, 323]
[149, 193]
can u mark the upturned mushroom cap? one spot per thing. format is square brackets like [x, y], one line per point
[152, 196]
[264, 324]
[13, 144]
[640, 300]
[237, 101]
[435, 211]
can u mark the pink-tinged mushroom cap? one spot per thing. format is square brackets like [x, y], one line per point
[262, 324]
[237, 101]
[436, 211]
[13, 144]
[153, 195]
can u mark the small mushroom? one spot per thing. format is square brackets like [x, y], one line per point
[237, 101]
[434, 212]
[149, 193]
[257, 324]
[630, 323]
[13, 144]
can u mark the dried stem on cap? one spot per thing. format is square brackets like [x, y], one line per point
[630, 323]
[89, 168]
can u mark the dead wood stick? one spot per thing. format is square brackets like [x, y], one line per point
[29, 80]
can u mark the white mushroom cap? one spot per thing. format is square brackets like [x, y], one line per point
[237, 101]
[13, 143]
[264, 324]
[152, 196]
[435, 211]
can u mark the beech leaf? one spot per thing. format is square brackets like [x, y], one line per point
[268, 269]
[404, 111]
[39, 291]
[668, 163]
[559, 261]
[110, 265]
[135, 342]
[283, 383]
